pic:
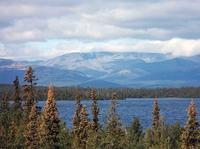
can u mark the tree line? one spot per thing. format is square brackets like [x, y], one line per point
[24, 125]
[69, 93]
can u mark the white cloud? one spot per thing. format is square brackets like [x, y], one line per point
[28, 27]
[177, 47]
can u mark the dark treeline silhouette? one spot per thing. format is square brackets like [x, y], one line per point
[24, 125]
[69, 93]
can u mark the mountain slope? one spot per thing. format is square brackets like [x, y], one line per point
[107, 69]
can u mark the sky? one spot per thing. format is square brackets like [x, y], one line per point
[41, 29]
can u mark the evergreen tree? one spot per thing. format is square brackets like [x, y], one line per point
[5, 111]
[17, 104]
[83, 127]
[153, 135]
[76, 122]
[31, 132]
[190, 135]
[115, 134]
[93, 140]
[64, 137]
[16, 97]
[156, 124]
[156, 115]
[174, 136]
[95, 111]
[135, 135]
[12, 136]
[4, 103]
[148, 139]
[5, 121]
[50, 125]
[29, 91]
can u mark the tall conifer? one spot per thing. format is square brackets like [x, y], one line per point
[135, 134]
[76, 122]
[115, 133]
[28, 88]
[12, 136]
[50, 125]
[17, 104]
[83, 127]
[4, 121]
[93, 140]
[16, 96]
[190, 135]
[156, 115]
[31, 132]
[95, 111]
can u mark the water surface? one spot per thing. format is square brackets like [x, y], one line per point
[172, 109]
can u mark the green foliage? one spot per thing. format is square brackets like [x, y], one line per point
[135, 135]
[115, 137]
[174, 132]
[17, 104]
[76, 123]
[94, 139]
[64, 137]
[68, 93]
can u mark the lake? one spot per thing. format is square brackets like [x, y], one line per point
[172, 109]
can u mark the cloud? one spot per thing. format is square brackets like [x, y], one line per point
[29, 26]
[49, 49]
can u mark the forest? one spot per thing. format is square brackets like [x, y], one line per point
[24, 125]
[69, 93]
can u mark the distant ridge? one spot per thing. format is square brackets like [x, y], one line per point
[109, 69]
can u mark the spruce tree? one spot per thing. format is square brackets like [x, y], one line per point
[65, 139]
[93, 140]
[4, 103]
[135, 134]
[29, 91]
[115, 134]
[148, 139]
[76, 122]
[174, 135]
[153, 135]
[5, 121]
[190, 134]
[31, 130]
[5, 112]
[50, 125]
[156, 115]
[12, 136]
[95, 111]
[17, 104]
[83, 127]
[16, 96]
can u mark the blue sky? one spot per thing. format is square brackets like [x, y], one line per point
[40, 29]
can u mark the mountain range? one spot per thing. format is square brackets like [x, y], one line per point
[108, 69]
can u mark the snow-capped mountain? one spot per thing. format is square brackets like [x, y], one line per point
[109, 69]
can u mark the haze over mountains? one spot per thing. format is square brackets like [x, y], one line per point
[109, 69]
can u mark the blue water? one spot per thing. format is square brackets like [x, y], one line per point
[173, 110]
